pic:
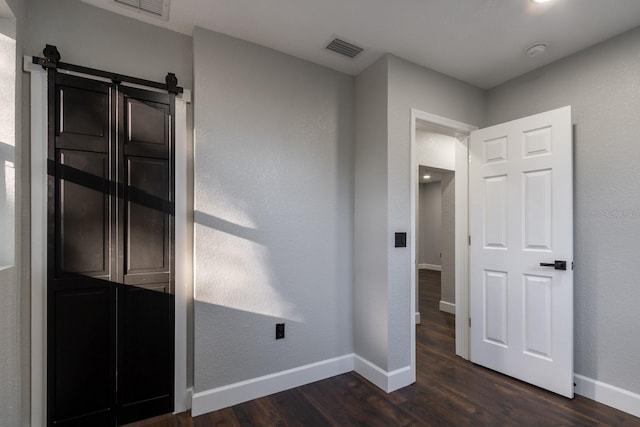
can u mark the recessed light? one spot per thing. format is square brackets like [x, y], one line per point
[540, 1]
[427, 176]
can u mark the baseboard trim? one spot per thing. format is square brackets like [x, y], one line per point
[387, 381]
[447, 307]
[186, 405]
[243, 391]
[608, 394]
[417, 317]
[429, 267]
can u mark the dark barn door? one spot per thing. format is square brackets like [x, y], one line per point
[110, 287]
[145, 327]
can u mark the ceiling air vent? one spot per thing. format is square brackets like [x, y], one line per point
[155, 8]
[344, 48]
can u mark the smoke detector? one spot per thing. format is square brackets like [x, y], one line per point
[153, 8]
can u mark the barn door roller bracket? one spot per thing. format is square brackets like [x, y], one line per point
[51, 57]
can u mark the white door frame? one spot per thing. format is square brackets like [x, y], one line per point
[183, 261]
[462, 131]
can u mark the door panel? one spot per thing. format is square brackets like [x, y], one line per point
[83, 114]
[147, 119]
[84, 222]
[147, 218]
[85, 353]
[146, 334]
[521, 215]
[146, 322]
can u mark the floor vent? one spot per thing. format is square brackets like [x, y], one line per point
[344, 48]
[156, 8]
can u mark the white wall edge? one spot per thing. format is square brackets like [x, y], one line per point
[38, 240]
[608, 394]
[417, 318]
[183, 261]
[387, 381]
[232, 394]
[447, 307]
[433, 267]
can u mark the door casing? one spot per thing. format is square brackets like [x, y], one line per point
[38, 243]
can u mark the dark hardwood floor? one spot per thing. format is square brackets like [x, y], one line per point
[449, 391]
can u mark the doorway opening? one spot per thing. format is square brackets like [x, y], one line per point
[442, 145]
[436, 234]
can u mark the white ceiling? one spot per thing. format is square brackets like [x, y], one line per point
[482, 42]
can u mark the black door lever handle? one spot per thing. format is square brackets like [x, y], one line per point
[558, 265]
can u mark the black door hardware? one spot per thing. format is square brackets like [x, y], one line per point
[558, 265]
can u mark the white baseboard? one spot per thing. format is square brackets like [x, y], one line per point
[417, 317]
[387, 381]
[608, 394]
[429, 267]
[232, 394]
[447, 307]
[184, 406]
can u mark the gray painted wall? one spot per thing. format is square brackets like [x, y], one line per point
[429, 223]
[370, 237]
[448, 239]
[93, 37]
[13, 369]
[412, 86]
[274, 211]
[9, 291]
[435, 150]
[602, 86]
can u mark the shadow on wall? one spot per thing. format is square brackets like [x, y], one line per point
[254, 333]
[236, 273]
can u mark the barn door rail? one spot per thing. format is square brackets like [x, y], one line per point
[52, 60]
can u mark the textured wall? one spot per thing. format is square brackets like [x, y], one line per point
[602, 85]
[429, 223]
[274, 211]
[93, 37]
[370, 238]
[7, 142]
[435, 150]
[12, 390]
[412, 86]
[10, 385]
[448, 246]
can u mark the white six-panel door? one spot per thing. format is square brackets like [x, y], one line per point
[521, 215]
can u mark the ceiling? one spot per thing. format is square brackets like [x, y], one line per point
[434, 174]
[481, 42]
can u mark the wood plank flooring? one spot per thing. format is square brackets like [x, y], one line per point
[449, 392]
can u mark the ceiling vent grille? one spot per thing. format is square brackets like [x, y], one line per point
[156, 8]
[344, 48]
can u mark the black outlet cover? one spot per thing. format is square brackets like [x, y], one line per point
[401, 240]
[279, 331]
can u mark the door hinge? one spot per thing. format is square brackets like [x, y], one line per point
[469, 239]
[469, 321]
[572, 265]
